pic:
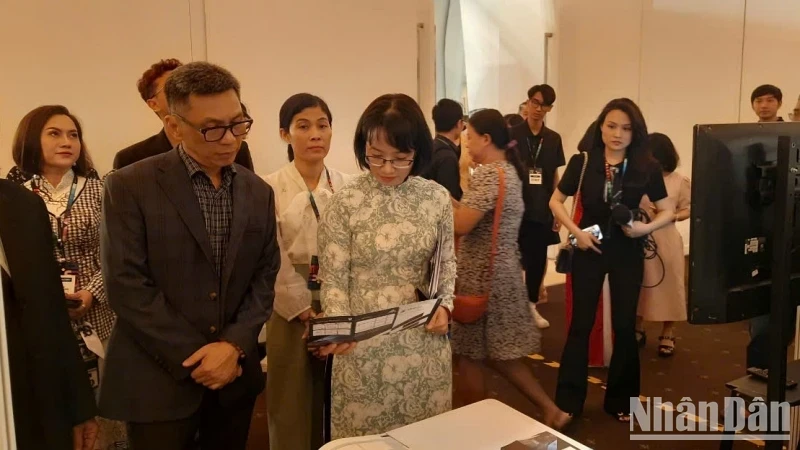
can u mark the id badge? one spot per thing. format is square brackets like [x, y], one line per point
[69, 276]
[535, 176]
[313, 272]
[91, 340]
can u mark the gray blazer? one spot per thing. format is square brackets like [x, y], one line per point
[160, 278]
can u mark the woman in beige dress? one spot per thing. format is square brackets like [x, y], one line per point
[666, 301]
[303, 188]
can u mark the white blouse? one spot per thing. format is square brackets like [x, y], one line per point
[57, 197]
[297, 232]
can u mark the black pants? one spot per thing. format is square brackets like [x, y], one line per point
[217, 427]
[623, 262]
[534, 238]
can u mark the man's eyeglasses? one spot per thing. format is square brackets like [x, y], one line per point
[536, 105]
[157, 92]
[215, 134]
[377, 161]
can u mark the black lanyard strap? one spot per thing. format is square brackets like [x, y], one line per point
[613, 189]
[311, 195]
[535, 156]
[63, 220]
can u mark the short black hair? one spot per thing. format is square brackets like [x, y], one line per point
[547, 91]
[663, 150]
[199, 78]
[404, 125]
[766, 89]
[293, 106]
[446, 115]
[513, 120]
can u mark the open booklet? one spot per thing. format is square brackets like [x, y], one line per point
[330, 330]
[338, 329]
[434, 268]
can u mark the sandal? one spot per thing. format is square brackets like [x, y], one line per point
[641, 338]
[666, 350]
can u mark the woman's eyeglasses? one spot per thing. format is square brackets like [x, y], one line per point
[377, 161]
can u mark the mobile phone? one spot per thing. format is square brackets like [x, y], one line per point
[74, 304]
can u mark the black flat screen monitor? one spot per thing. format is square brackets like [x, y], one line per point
[734, 169]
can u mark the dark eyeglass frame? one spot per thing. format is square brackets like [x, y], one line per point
[225, 128]
[541, 106]
[393, 162]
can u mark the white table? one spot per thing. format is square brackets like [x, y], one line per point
[486, 425]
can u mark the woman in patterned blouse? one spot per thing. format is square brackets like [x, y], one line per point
[52, 161]
[376, 238]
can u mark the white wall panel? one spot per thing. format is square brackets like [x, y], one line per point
[86, 55]
[691, 66]
[771, 52]
[598, 48]
[348, 52]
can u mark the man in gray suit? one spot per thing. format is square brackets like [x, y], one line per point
[189, 256]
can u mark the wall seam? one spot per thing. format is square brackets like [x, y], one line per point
[741, 63]
[641, 52]
[191, 27]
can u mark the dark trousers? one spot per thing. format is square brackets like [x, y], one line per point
[624, 264]
[212, 427]
[534, 238]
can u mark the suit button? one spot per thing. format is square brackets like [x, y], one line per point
[212, 296]
[212, 329]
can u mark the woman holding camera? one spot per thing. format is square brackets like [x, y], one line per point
[618, 171]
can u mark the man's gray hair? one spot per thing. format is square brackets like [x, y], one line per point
[199, 78]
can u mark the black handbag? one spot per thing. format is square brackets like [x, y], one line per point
[567, 250]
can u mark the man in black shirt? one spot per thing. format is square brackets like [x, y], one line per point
[448, 117]
[151, 89]
[543, 153]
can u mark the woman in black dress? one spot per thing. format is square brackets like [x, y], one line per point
[619, 171]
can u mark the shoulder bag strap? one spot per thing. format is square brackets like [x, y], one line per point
[576, 197]
[498, 212]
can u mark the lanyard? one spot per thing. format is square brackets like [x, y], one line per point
[63, 220]
[610, 195]
[311, 195]
[535, 156]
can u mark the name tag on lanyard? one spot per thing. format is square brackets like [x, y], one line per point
[535, 173]
[313, 267]
[613, 191]
[535, 176]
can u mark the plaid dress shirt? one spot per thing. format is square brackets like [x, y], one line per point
[216, 204]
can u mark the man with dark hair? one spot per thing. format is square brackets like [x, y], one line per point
[448, 117]
[766, 100]
[151, 89]
[189, 255]
[543, 153]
